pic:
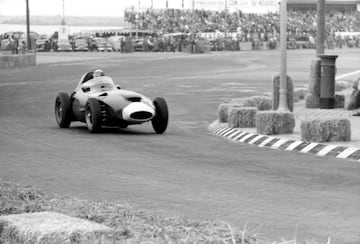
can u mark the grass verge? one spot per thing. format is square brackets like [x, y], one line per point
[129, 225]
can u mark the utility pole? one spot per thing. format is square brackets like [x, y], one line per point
[283, 107]
[320, 34]
[28, 39]
[225, 15]
[63, 14]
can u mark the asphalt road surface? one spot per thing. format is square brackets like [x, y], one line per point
[186, 171]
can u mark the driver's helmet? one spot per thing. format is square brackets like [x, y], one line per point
[98, 73]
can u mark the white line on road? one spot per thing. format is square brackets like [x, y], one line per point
[348, 74]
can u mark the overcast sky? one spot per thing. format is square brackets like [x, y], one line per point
[79, 7]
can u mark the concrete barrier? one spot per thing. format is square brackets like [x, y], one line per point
[8, 61]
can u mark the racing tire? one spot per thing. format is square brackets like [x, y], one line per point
[93, 117]
[161, 118]
[63, 113]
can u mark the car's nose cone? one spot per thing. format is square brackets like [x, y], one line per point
[138, 112]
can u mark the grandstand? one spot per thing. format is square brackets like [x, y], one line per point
[245, 6]
[339, 5]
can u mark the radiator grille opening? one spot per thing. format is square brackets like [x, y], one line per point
[141, 115]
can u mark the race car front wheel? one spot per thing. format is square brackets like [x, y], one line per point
[93, 115]
[161, 118]
[63, 110]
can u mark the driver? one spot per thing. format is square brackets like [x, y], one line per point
[98, 73]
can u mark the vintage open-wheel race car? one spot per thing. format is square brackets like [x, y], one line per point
[98, 102]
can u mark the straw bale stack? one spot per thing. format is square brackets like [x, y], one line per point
[312, 101]
[244, 102]
[339, 101]
[326, 130]
[263, 102]
[342, 85]
[272, 122]
[260, 102]
[242, 117]
[51, 227]
[352, 97]
[224, 109]
[299, 94]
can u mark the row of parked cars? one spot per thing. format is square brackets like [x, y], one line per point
[92, 44]
[98, 44]
[17, 41]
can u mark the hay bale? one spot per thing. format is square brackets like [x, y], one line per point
[244, 102]
[352, 100]
[325, 130]
[276, 92]
[223, 111]
[352, 96]
[260, 102]
[299, 94]
[355, 84]
[51, 227]
[263, 102]
[242, 117]
[312, 101]
[342, 85]
[339, 100]
[315, 77]
[273, 123]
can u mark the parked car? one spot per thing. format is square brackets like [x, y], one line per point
[63, 45]
[100, 44]
[139, 44]
[80, 44]
[41, 43]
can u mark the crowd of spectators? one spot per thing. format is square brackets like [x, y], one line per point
[248, 27]
[177, 30]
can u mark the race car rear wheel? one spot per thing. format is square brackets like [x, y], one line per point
[63, 110]
[93, 115]
[161, 118]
